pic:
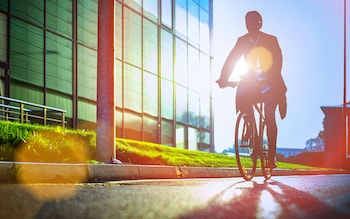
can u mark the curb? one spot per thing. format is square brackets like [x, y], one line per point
[31, 172]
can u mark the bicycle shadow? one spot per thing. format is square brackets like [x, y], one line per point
[268, 199]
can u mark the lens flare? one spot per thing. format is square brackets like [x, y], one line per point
[259, 59]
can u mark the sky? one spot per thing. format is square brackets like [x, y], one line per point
[311, 37]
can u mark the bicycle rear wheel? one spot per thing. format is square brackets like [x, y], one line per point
[266, 171]
[244, 148]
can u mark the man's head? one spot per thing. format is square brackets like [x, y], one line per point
[253, 21]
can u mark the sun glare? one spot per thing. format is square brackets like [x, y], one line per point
[239, 70]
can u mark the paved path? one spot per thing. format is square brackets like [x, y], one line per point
[317, 196]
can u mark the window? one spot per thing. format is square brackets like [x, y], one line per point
[132, 37]
[135, 4]
[32, 11]
[150, 130]
[150, 9]
[118, 31]
[193, 108]
[181, 62]
[194, 74]
[118, 83]
[193, 22]
[132, 88]
[27, 53]
[59, 64]
[150, 94]
[87, 22]
[192, 139]
[181, 104]
[3, 37]
[132, 126]
[181, 17]
[3, 5]
[181, 136]
[59, 16]
[150, 47]
[87, 111]
[167, 13]
[204, 31]
[167, 55]
[87, 73]
[167, 133]
[167, 99]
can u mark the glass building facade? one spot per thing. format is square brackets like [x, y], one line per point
[48, 55]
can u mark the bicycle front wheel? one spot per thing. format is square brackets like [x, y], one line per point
[244, 147]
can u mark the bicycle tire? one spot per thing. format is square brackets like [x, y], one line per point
[266, 171]
[244, 150]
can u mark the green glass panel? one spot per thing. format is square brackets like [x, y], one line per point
[86, 111]
[181, 136]
[150, 130]
[119, 123]
[134, 4]
[150, 9]
[204, 30]
[87, 22]
[132, 88]
[118, 77]
[118, 51]
[167, 99]
[193, 108]
[167, 55]
[204, 119]
[192, 139]
[27, 54]
[87, 73]
[31, 11]
[59, 101]
[181, 17]
[3, 5]
[193, 69]
[167, 133]
[167, 13]
[150, 92]
[133, 126]
[3, 37]
[26, 92]
[193, 22]
[181, 104]
[59, 16]
[150, 46]
[59, 63]
[181, 62]
[205, 75]
[132, 38]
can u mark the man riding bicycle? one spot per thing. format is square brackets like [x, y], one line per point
[263, 80]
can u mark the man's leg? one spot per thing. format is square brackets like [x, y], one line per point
[271, 126]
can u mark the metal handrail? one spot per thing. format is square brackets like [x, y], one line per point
[13, 109]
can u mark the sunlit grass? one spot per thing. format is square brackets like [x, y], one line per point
[36, 143]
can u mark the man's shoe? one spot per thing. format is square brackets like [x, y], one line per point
[271, 164]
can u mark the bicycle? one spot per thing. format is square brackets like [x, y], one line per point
[250, 141]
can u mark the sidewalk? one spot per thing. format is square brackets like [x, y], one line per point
[12, 172]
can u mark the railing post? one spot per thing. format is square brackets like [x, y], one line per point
[45, 111]
[21, 113]
[63, 119]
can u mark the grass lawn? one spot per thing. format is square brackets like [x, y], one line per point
[35, 143]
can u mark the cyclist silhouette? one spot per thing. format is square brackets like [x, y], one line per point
[262, 81]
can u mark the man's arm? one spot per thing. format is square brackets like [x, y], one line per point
[229, 64]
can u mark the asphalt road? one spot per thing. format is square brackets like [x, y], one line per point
[321, 196]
